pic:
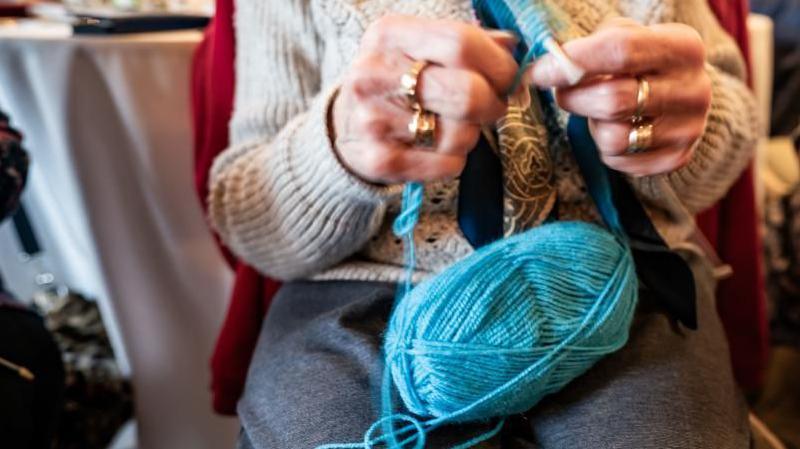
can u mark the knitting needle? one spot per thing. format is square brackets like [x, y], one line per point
[573, 71]
[20, 370]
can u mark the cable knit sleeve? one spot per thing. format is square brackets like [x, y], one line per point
[732, 129]
[279, 197]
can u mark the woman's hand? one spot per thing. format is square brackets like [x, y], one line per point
[470, 71]
[671, 57]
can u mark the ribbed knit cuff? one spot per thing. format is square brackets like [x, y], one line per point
[316, 163]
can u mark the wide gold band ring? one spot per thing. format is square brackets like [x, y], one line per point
[409, 83]
[423, 128]
[640, 138]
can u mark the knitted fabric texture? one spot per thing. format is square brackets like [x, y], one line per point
[282, 201]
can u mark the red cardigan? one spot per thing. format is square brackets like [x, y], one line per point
[741, 298]
[212, 105]
[732, 227]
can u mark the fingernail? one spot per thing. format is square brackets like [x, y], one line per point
[505, 38]
[572, 71]
[503, 34]
[542, 72]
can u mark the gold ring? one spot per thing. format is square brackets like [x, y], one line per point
[409, 82]
[423, 127]
[640, 138]
[642, 96]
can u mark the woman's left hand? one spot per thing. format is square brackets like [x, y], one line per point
[670, 57]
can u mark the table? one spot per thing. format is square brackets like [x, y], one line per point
[107, 123]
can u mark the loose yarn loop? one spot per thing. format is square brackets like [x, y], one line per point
[403, 227]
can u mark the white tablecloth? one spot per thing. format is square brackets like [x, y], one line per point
[107, 123]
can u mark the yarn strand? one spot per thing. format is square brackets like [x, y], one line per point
[518, 319]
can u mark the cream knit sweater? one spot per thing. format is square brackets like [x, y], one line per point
[282, 201]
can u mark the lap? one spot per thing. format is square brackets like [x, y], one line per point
[668, 387]
[316, 372]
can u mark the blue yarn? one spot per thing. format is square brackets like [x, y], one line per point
[403, 227]
[534, 21]
[504, 327]
[513, 322]
[518, 319]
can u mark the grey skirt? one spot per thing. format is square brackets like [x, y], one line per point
[316, 372]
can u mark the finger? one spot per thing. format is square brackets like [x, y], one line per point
[459, 94]
[612, 138]
[616, 98]
[618, 22]
[448, 43]
[451, 136]
[386, 123]
[456, 138]
[624, 50]
[649, 163]
[394, 163]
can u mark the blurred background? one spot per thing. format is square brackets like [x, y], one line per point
[113, 291]
[109, 226]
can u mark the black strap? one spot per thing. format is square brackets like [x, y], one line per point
[480, 196]
[663, 272]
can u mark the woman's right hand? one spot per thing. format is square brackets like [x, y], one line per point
[470, 71]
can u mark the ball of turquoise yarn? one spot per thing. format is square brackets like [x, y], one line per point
[513, 322]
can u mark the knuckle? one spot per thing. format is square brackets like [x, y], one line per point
[505, 73]
[373, 36]
[617, 105]
[360, 79]
[462, 139]
[371, 122]
[367, 76]
[695, 47]
[357, 85]
[622, 49]
[379, 163]
[392, 164]
[472, 101]
[378, 31]
[375, 128]
[459, 41]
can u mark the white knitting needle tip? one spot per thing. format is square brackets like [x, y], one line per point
[573, 72]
